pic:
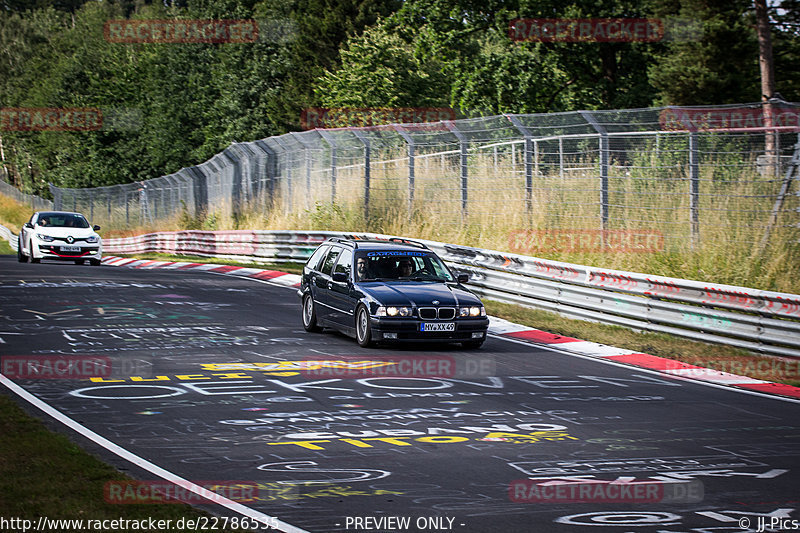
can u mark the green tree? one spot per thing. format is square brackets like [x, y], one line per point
[716, 64]
[379, 69]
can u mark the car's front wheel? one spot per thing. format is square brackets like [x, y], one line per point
[94, 262]
[363, 328]
[34, 259]
[21, 257]
[309, 314]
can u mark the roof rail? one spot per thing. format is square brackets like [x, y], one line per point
[407, 241]
[340, 240]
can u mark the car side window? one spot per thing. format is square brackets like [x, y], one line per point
[327, 266]
[316, 257]
[345, 262]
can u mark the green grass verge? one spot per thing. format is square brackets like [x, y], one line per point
[44, 474]
[5, 248]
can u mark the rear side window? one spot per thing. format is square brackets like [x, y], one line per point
[313, 261]
[345, 262]
[330, 259]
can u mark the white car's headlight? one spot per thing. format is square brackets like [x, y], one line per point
[93, 238]
[45, 238]
[472, 311]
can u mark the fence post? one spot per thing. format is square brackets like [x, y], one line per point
[604, 151]
[307, 162]
[463, 144]
[270, 169]
[56, 192]
[367, 154]
[200, 185]
[328, 139]
[411, 159]
[289, 202]
[530, 145]
[694, 187]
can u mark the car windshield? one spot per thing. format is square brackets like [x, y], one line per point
[401, 265]
[62, 220]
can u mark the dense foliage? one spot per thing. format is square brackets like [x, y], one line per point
[170, 105]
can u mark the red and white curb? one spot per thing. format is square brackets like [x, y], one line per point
[504, 328]
[273, 276]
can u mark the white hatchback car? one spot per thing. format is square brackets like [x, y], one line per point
[59, 235]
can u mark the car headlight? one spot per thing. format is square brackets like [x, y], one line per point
[473, 311]
[393, 311]
[45, 238]
[93, 238]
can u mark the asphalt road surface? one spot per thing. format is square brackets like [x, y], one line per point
[213, 379]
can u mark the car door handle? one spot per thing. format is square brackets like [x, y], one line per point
[330, 284]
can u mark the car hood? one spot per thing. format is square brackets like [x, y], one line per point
[421, 294]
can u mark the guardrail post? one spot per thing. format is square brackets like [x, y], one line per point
[694, 187]
[328, 139]
[604, 152]
[411, 160]
[463, 144]
[367, 154]
[530, 147]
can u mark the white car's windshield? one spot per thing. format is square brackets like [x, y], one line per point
[62, 220]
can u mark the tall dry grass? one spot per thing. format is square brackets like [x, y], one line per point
[646, 194]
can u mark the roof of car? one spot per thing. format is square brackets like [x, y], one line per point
[380, 244]
[50, 213]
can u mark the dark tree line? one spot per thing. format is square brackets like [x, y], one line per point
[167, 106]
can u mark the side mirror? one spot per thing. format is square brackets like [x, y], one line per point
[340, 277]
[96, 227]
[27, 225]
[462, 278]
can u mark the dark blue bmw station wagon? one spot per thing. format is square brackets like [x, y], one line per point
[393, 290]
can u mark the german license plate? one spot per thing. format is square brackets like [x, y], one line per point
[438, 326]
[70, 248]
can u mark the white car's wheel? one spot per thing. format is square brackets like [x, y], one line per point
[21, 257]
[34, 259]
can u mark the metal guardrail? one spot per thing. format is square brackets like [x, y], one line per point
[760, 321]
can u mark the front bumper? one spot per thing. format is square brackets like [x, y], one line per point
[408, 329]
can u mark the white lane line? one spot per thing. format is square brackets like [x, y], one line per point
[266, 519]
[603, 360]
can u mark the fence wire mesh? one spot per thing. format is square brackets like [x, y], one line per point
[687, 173]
